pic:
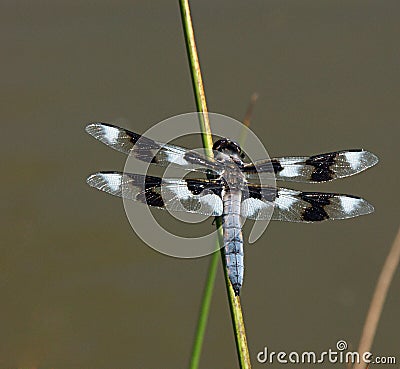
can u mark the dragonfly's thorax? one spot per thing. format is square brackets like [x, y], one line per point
[230, 154]
[233, 179]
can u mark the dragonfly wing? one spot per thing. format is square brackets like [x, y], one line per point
[296, 206]
[150, 151]
[317, 168]
[199, 196]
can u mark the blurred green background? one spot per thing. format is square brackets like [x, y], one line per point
[78, 288]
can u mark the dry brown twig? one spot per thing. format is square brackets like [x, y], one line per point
[378, 299]
[249, 112]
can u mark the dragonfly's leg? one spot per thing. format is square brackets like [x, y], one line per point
[220, 216]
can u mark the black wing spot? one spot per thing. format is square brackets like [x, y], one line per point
[268, 166]
[322, 163]
[134, 137]
[318, 201]
[276, 165]
[196, 187]
[261, 193]
[143, 141]
[254, 192]
[151, 195]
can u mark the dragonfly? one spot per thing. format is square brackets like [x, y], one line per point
[230, 189]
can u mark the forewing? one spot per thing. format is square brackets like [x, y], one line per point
[317, 168]
[190, 195]
[147, 150]
[297, 206]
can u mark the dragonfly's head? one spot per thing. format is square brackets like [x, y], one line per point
[229, 147]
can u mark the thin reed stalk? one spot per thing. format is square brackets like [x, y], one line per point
[234, 301]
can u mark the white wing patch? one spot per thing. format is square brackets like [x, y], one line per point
[214, 202]
[108, 182]
[286, 199]
[360, 160]
[253, 208]
[176, 158]
[178, 197]
[350, 204]
[110, 134]
[181, 190]
[290, 169]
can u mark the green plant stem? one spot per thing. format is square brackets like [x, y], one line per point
[237, 318]
[204, 311]
[197, 79]
[234, 301]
